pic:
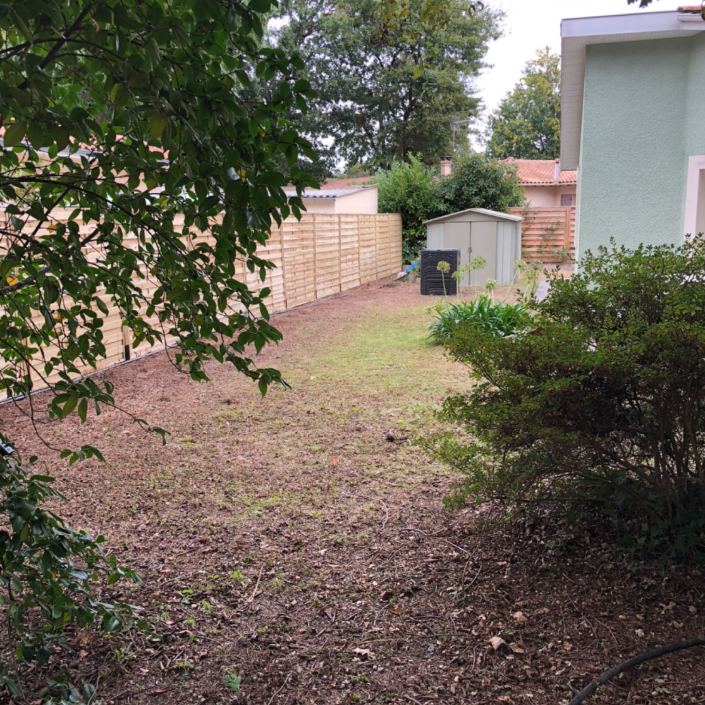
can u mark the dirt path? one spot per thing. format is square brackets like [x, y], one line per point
[298, 544]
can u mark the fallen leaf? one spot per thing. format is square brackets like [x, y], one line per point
[82, 653]
[366, 653]
[567, 645]
[395, 611]
[387, 594]
[501, 562]
[516, 648]
[497, 642]
[519, 617]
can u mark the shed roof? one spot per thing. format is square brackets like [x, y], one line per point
[328, 193]
[480, 211]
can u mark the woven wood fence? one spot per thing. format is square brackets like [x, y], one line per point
[315, 257]
[547, 234]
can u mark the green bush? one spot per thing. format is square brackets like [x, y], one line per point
[495, 318]
[419, 194]
[604, 399]
[477, 182]
[48, 574]
[408, 188]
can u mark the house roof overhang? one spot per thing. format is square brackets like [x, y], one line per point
[578, 33]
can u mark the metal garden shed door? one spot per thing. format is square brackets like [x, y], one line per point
[477, 239]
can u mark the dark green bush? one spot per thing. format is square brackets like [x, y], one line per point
[48, 574]
[408, 188]
[496, 318]
[478, 182]
[419, 194]
[603, 398]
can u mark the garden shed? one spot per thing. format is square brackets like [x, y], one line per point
[477, 232]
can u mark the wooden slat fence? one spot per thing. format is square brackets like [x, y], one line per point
[547, 234]
[320, 255]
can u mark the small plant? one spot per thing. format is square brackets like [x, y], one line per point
[498, 319]
[206, 607]
[475, 266]
[232, 681]
[443, 268]
[490, 286]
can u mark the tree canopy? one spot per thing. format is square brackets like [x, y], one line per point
[527, 123]
[386, 89]
[133, 118]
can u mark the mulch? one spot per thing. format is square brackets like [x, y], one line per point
[300, 542]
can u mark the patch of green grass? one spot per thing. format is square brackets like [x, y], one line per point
[232, 681]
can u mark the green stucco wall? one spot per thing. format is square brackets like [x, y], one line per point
[643, 111]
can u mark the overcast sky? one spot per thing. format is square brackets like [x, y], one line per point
[533, 24]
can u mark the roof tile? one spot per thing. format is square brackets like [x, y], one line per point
[542, 172]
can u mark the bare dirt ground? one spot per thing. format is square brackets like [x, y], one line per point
[295, 549]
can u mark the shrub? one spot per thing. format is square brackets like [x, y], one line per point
[47, 575]
[497, 319]
[419, 194]
[605, 398]
[407, 188]
[477, 182]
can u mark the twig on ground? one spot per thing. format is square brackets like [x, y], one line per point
[254, 592]
[286, 680]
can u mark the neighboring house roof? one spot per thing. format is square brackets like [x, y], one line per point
[578, 33]
[347, 183]
[481, 211]
[543, 172]
[330, 193]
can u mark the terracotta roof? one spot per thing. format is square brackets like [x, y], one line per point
[542, 172]
[347, 183]
[695, 9]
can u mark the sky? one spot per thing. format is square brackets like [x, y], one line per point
[533, 24]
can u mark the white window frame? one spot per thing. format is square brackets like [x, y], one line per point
[696, 165]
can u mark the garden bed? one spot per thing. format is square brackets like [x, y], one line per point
[297, 546]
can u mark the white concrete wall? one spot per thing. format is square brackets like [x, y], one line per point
[362, 202]
[548, 196]
[319, 205]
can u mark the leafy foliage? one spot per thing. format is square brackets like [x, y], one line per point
[606, 396]
[495, 318]
[46, 569]
[527, 123]
[133, 118]
[419, 194]
[408, 188]
[387, 88]
[477, 182]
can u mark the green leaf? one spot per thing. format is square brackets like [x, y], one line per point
[83, 409]
[157, 125]
[15, 133]
[119, 95]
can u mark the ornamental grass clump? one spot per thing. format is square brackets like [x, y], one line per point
[604, 399]
[496, 319]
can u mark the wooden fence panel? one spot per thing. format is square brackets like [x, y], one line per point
[320, 255]
[547, 234]
[367, 234]
[349, 251]
[327, 243]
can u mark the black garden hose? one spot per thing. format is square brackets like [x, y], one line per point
[589, 690]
